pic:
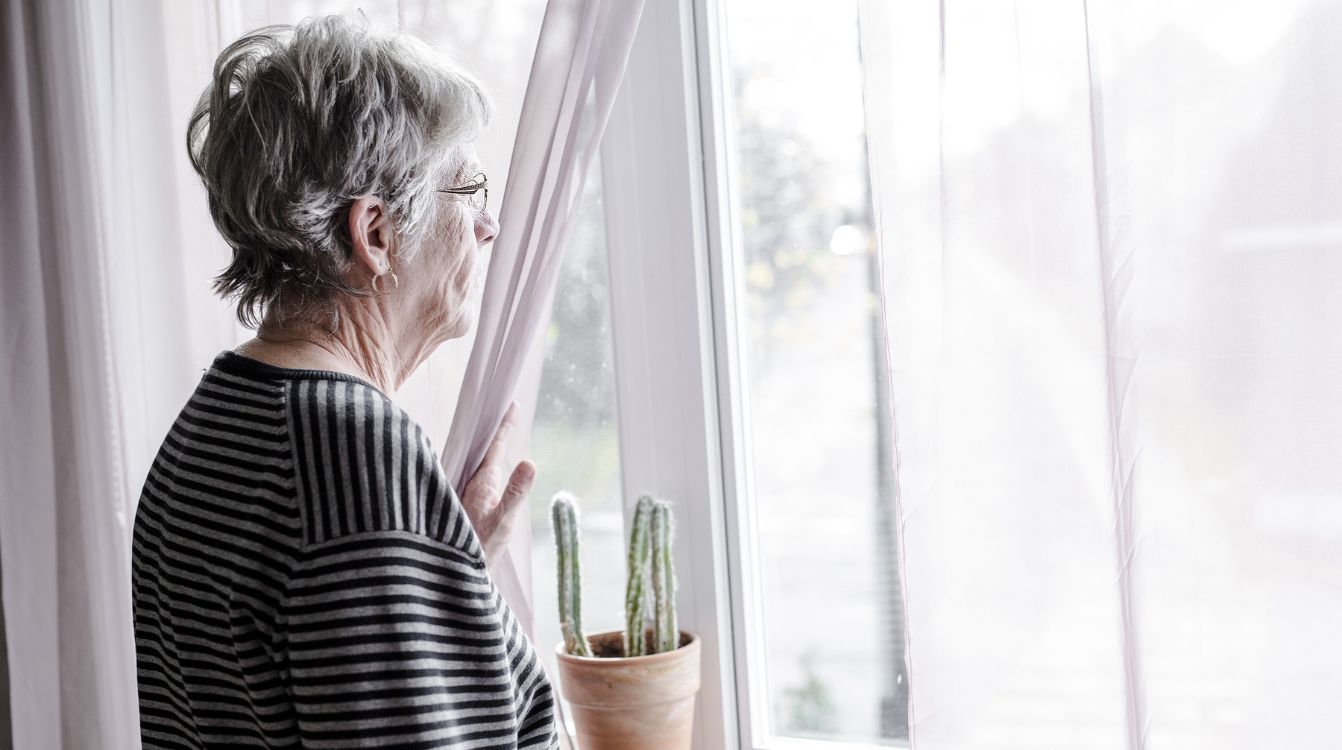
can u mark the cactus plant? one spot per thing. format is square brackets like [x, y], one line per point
[666, 633]
[564, 522]
[651, 577]
[636, 588]
[630, 702]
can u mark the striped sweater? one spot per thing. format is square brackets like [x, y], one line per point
[304, 576]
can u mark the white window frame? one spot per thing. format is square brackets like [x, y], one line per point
[662, 329]
[665, 173]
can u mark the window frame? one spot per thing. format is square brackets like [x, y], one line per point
[666, 170]
[662, 330]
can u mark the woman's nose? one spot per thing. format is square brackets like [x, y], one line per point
[486, 227]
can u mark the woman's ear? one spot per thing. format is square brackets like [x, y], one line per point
[371, 234]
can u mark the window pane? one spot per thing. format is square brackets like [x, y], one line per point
[833, 640]
[574, 442]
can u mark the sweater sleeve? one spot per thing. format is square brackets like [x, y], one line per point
[395, 639]
[395, 635]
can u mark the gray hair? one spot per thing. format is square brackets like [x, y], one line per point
[296, 123]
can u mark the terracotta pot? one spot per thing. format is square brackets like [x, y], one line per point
[634, 703]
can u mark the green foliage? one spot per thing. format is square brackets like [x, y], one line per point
[808, 708]
[651, 583]
[666, 633]
[639, 571]
[564, 522]
[788, 215]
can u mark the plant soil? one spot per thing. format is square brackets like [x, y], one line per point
[611, 645]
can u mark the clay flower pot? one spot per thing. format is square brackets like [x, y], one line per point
[642, 702]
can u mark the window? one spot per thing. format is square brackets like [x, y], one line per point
[574, 442]
[831, 637]
[738, 220]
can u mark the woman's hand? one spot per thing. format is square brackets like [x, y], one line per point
[489, 503]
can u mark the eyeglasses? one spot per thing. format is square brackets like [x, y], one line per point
[476, 189]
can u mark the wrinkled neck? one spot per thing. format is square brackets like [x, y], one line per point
[366, 342]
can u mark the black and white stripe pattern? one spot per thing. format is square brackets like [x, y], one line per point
[304, 576]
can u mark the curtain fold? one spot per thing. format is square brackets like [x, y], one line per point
[85, 243]
[1115, 278]
[575, 74]
[1109, 249]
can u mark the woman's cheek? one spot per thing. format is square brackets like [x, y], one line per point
[469, 258]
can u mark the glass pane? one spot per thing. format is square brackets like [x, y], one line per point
[574, 442]
[833, 618]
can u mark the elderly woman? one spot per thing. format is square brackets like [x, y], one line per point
[304, 574]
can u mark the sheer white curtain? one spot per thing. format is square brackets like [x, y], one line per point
[575, 74]
[1111, 237]
[94, 334]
